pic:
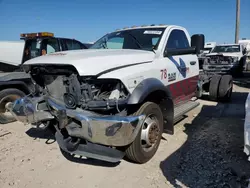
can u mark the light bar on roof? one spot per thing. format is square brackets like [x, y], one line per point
[39, 34]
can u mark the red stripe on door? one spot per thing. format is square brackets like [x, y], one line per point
[184, 90]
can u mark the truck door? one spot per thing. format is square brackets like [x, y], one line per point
[186, 68]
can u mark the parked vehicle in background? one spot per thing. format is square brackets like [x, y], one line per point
[208, 47]
[14, 83]
[202, 56]
[118, 97]
[88, 44]
[246, 44]
[226, 59]
[15, 53]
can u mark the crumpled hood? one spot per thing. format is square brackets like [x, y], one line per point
[237, 54]
[94, 61]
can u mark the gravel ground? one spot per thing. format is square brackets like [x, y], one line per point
[206, 151]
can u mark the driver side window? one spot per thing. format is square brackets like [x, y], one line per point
[177, 40]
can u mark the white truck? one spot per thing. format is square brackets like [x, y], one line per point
[246, 44]
[202, 56]
[208, 47]
[118, 97]
[226, 59]
[14, 83]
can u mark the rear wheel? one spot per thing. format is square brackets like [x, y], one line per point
[148, 139]
[214, 87]
[8, 95]
[226, 88]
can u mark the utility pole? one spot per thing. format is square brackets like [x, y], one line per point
[237, 25]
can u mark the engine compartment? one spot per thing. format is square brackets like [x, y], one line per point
[88, 93]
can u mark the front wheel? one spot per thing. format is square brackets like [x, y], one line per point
[8, 95]
[148, 139]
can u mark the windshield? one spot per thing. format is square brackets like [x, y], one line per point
[38, 47]
[32, 49]
[226, 48]
[34, 46]
[143, 39]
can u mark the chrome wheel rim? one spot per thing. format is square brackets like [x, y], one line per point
[150, 133]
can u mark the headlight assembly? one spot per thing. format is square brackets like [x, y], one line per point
[235, 59]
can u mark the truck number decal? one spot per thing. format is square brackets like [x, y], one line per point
[164, 74]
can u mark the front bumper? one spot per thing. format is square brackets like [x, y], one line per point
[107, 130]
[220, 69]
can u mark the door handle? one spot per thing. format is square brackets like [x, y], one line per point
[192, 62]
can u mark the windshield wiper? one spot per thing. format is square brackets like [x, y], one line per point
[104, 44]
[137, 42]
[135, 39]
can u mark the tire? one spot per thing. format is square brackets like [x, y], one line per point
[214, 87]
[226, 88]
[136, 152]
[8, 95]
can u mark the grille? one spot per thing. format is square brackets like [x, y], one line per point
[220, 60]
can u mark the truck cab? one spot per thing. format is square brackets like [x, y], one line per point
[33, 45]
[37, 44]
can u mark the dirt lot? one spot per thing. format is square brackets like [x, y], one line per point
[206, 151]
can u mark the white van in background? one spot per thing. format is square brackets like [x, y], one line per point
[208, 47]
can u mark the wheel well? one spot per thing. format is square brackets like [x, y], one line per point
[21, 87]
[156, 96]
[164, 101]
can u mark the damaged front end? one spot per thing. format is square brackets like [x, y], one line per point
[220, 64]
[89, 114]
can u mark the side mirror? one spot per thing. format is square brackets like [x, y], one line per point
[174, 51]
[198, 42]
